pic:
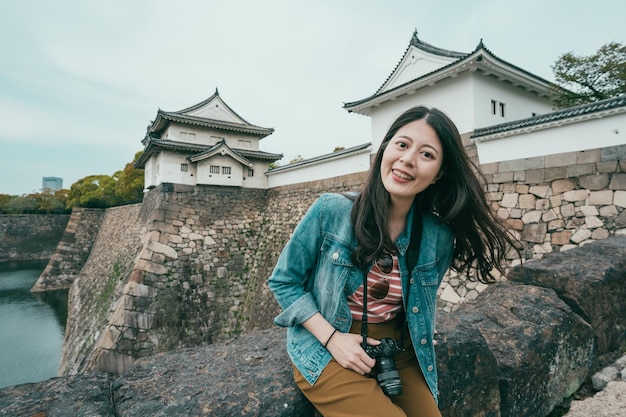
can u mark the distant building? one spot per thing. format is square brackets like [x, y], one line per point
[51, 184]
[205, 144]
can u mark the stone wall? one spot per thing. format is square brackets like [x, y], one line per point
[26, 237]
[190, 267]
[97, 289]
[72, 250]
[552, 203]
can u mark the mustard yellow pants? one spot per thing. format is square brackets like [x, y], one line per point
[341, 392]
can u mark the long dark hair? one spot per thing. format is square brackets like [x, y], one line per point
[457, 198]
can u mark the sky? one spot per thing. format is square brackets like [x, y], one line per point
[81, 80]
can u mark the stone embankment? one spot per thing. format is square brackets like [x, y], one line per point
[552, 203]
[72, 250]
[25, 237]
[521, 349]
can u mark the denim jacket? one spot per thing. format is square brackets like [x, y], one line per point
[315, 273]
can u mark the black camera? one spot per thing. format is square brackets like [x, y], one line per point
[385, 368]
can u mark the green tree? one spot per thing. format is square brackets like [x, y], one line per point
[21, 205]
[130, 183]
[297, 158]
[92, 191]
[591, 78]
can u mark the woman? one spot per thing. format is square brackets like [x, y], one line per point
[363, 267]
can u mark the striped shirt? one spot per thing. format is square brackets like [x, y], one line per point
[385, 309]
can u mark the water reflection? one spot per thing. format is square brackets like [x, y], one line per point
[32, 325]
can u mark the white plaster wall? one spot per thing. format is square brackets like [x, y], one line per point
[169, 169]
[519, 103]
[205, 136]
[452, 96]
[235, 178]
[416, 63]
[589, 134]
[259, 180]
[317, 171]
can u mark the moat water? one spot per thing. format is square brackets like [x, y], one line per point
[32, 325]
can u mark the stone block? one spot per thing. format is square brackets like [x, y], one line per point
[502, 177]
[588, 210]
[618, 181]
[580, 235]
[591, 281]
[580, 170]
[535, 232]
[606, 167]
[535, 176]
[619, 198]
[594, 182]
[560, 159]
[535, 162]
[568, 210]
[551, 174]
[542, 204]
[540, 191]
[561, 238]
[563, 185]
[165, 250]
[543, 349]
[601, 379]
[512, 165]
[532, 217]
[609, 211]
[593, 222]
[526, 201]
[589, 156]
[548, 216]
[468, 371]
[509, 200]
[614, 153]
[490, 168]
[575, 195]
[601, 198]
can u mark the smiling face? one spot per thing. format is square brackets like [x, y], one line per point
[411, 161]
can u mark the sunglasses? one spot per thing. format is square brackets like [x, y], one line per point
[385, 263]
[380, 289]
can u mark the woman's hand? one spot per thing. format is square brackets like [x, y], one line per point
[347, 351]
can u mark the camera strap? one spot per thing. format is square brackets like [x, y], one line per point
[413, 253]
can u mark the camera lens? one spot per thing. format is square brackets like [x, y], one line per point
[388, 376]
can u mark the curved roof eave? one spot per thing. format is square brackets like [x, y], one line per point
[325, 158]
[587, 111]
[481, 59]
[164, 117]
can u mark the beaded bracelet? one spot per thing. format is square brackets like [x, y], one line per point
[330, 337]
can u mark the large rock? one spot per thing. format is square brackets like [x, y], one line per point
[543, 349]
[251, 376]
[88, 394]
[468, 371]
[592, 281]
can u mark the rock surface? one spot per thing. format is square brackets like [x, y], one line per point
[592, 281]
[544, 351]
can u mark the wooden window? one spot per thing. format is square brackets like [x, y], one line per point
[494, 105]
[226, 170]
[214, 169]
[250, 172]
[184, 167]
[502, 109]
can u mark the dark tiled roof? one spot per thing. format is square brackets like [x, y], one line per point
[419, 44]
[570, 112]
[154, 145]
[208, 100]
[217, 124]
[332, 155]
[461, 59]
